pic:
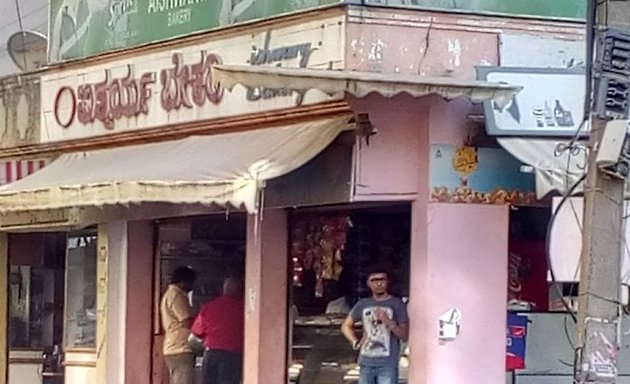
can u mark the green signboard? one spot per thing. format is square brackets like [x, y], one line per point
[81, 28]
[566, 9]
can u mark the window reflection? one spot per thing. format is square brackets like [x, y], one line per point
[81, 292]
[35, 289]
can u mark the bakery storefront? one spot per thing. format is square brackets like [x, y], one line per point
[252, 152]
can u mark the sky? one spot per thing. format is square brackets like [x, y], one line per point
[34, 18]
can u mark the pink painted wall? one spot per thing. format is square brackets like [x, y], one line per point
[453, 262]
[139, 302]
[417, 43]
[449, 120]
[437, 43]
[464, 267]
[388, 169]
[266, 284]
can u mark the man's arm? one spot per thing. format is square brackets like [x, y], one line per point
[401, 331]
[403, 327]
[187, 323]
[347, 328]
[183, 313]
[197, 328]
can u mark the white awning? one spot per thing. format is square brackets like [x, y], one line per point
[555, 170]
[360, 84]
[220, 169]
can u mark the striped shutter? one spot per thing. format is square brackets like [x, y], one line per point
[13, 170]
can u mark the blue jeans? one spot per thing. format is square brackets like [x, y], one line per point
[378, 375]
[222, 367]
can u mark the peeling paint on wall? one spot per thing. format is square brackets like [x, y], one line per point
[425, 51]
[353, 44]
[376, 51]
[455, 48]
[252, 297]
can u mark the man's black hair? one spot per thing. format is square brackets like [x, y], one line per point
[378, 268]
[183, 275]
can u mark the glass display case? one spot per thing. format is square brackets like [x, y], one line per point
[80, 318]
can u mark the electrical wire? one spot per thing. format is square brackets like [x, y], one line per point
[574, 151]
[566, 332]
[571, 146]
[566, 196]
[19, 16]
[577, 358]
[41, 28]
[591, 24]
[591, 18]
[24, 16]
[626, 248]
[601, 298]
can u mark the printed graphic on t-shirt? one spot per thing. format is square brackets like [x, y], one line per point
[378, 337]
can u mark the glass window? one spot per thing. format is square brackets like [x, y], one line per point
[35, 289]
[24, 324]
[80, 329]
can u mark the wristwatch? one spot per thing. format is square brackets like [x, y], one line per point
[356, 344]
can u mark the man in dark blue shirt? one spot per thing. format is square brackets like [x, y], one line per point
[385, 325]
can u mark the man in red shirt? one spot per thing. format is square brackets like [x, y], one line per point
[220, 324]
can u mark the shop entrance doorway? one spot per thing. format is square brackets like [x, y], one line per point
[214, 247]
[331, 250]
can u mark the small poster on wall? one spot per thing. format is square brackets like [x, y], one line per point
[478, 176]
[516, 337]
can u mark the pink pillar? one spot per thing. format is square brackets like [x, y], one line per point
[139, 327]
[459, 260]
[266, 299]
[420, 325]
[421, 328]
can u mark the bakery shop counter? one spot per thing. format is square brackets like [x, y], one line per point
[319, 350]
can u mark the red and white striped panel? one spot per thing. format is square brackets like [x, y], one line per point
[13, 170]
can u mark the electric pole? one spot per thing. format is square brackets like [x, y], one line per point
[602, 246]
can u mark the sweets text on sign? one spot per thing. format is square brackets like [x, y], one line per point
[113, 98]
[181, 86]
[177, 81]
